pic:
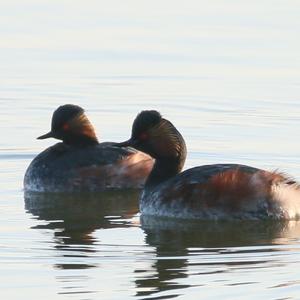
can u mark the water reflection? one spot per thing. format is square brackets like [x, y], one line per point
[182, 254]
[73, 218]
[187, 249]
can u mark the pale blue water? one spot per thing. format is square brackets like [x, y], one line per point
[226, 73]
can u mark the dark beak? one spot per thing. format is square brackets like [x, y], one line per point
[45, 136]
[128, 143]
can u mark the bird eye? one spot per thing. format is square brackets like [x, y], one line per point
[143, 136]
[65, 126]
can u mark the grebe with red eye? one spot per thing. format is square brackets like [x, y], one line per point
[80, 162]
[220, 191]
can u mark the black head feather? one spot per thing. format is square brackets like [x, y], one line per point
[156, 136]
[144, 121]
[63, 114]
[70, 124]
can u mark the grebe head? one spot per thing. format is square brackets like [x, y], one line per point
[157, 137]
[71, 125]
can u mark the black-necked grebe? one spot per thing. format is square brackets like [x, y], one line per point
[80, 162]
[220, 191]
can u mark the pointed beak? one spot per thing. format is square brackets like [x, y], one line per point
[45, 136]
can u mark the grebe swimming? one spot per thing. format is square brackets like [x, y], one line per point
[219, 191]
[80, 162]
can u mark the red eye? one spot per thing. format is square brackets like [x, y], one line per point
[143, 136]
[66, 126]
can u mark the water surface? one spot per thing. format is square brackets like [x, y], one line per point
[226, 73]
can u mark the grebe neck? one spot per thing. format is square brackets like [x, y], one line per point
[163, 170]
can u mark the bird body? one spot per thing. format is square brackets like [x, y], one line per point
[219, 191]
[80, 162]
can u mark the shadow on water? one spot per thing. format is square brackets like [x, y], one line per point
[74, 217]
[207, 248]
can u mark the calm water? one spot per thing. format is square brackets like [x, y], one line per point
[225, 73]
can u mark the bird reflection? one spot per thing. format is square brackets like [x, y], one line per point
[181, 244]
[74, 218]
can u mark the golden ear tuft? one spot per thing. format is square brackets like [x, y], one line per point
[81, 124]
[166, 140]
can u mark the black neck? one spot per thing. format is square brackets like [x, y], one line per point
[80, 140]
[163, 169]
